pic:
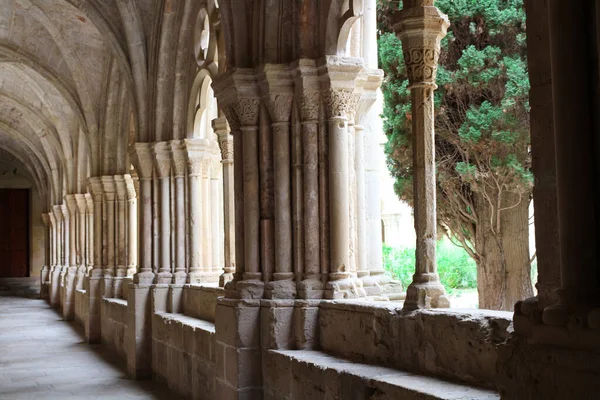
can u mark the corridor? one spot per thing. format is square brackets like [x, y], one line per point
[42, 357]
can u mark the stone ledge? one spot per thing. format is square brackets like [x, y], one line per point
[295, 375]
[455, 344]
[200, 301]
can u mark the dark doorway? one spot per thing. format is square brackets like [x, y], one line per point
[14, 233]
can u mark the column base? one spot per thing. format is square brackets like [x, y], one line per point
[197, 277]
[282, 287]
[251, 287]
[306, 324]
[312, 287]
[277, 323]
[344, 285]
[164, 278]
[81, 272]
[428, 293]
[144, 278]
[107, 289]
[224, 278]
[54, 290]
[180, 278]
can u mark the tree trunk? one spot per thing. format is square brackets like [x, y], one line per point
[503, 268]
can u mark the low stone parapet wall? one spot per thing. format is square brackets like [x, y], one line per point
[201, 301]
[459, 345]
[114, 325]
[80, 314]
[183, 354]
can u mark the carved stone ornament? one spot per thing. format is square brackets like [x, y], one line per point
[421, 27]
[109, 187]
[95, 185]
[121, 187]
[206, 167]
[310, 102]
[340, 102]
[179, 157]
[162, 159]
[141, 158]
[280, 106]
[81, 203]
[195, 166]
[247, 111]
[90, 203]
[232, 118]
[58, 215]
[226, 147]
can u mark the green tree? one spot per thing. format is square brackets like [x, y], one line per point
[484, 181]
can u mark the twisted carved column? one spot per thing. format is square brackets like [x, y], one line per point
[421, 27]
[225, 139]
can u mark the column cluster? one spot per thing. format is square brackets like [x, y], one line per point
[182, 206]
[299, 179]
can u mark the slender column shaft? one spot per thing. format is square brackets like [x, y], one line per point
[266, 190]
[146, 217]
[132, 230]
[163, 161]
[283, 211]
[238, 172]
[196, 152]
[352, 190]
[180, 216]
[251, 202]
[226, 145]
[361, 222]
[121, 244]
[217, 235]
[207, 256]
[89, 232]
[339, 201]
[310, 144]
[66, 236]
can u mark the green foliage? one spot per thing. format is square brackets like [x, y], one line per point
[457, 270]
[482, 113]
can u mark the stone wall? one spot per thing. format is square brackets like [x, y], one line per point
[114, 324]
[201, 301]
[183, 354]
[452, 344]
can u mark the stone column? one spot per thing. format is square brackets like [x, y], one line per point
[89, 232]
[307, 83]
[162, 159]
[340, 99]
[45, 274]
[207, 215]
[93, 282]
[179, 169]
[142, 159]
[132, 227]
[120, 234]
[58, 251]
[109, 188]
[278, 88]
[216, 172]
[139, 333]
[67, 276]
[221, 129]
[81, 237]
[421, 27]
[575, 107]
[196, 152]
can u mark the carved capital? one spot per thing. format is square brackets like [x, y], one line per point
[206, 167]
[81, 203]
[310, 102]
[162, 159]
[130, 187]
[232, 118]
[121, 187]
[90, 203]
[109, 188]
[371, 84]
[340, 102]
[142, 159]
[340, 85]
[421, 26]
[64, 210]
[197, 151]
[71, 204]
[96, 189]
[179, 157]
[247, 111]
[279, 106]
[58, 215]
[239, 98]
[226, 147]
[52, 218]
[220, 126]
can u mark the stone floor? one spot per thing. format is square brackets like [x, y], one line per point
[42, 357]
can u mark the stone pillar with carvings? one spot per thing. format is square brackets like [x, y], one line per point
[109, 188]
[338, 84]
[120, 234]
[278, 94]
[420, 26]
[221, 128]
[196, 152]
[179, 169]
[162, 159]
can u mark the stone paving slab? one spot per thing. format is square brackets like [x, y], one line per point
[43, 357]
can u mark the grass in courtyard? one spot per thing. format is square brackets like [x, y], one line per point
[457, 270]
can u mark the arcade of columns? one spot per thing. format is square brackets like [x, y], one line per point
[286, 216]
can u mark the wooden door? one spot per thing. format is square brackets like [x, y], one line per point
[14, 233]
